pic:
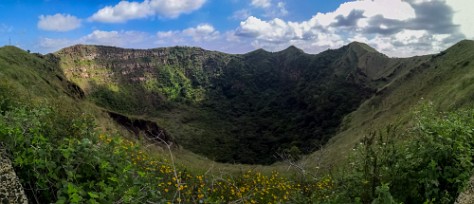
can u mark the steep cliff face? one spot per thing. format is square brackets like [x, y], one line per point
[141, 81]
[249, 106]
[111, 64]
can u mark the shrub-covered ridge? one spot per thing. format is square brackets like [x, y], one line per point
[61, 158]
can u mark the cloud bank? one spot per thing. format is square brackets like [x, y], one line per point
[395, 27]
[58, 22]
[126, 10]
[398, 28]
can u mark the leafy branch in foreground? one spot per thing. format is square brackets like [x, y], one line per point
[429, 164]
[60, 158]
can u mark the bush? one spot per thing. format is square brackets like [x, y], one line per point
[71, 165]
[60, 158]
[433, 164]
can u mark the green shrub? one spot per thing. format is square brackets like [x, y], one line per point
[70, 165]
[431, 163]
[60, 158]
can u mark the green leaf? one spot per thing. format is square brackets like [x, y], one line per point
[76, 198]
[18, 161]
[71, 189]
[113, 178]
[93, 195]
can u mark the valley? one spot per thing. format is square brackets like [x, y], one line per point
[233, 108]
[181, 114]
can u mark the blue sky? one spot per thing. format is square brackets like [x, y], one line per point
[394, 27]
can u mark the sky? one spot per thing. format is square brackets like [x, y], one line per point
[397, 28]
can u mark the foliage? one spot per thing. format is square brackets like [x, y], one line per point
[431, 164]
[256, 105]
[383, 195]
[61, 158]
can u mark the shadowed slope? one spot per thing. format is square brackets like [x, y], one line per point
[232, 108]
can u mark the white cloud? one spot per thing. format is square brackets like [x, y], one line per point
[116, 38]
[282, 8]
[50, 44]
[205, 36]
[58, 22]
[270, 9]
[463, 16]
[203, 32]
[389, 9]
[261, 3]
[241, 14]
[275, 30]
[128, 39]
[396, 27]
[197, 36]
[167, 34]
[126, 10]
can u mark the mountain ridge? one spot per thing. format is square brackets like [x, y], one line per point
[269, 101]
[242, 106]
[442, 80]
[354, 44]
[259, 86]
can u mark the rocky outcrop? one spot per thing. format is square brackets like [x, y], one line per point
[11, 190]
[467, 197]
[143, 127]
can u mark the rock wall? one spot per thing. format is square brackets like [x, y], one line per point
[11, 190]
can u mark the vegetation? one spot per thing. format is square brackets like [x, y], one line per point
[427, 164]
[62, 158]
[263, 103]
[65, 151]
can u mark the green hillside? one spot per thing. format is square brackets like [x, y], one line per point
[46, 81]
[443, 79]
[231, 108]
[95, 124]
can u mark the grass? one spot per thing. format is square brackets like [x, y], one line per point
[444, 80]
[269, 102]
[49, 117]
[62, 158]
